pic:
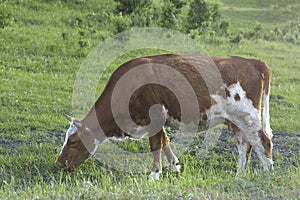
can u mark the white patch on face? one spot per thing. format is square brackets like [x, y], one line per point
[72, 130]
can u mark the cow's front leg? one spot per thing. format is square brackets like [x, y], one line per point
[156, 144]
[173, 160]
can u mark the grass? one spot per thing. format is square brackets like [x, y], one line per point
[42, 47]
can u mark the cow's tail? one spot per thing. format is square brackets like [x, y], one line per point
[266, 93]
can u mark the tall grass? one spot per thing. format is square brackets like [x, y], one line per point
[42, 45]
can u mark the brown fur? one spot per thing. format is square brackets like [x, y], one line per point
[253, 75]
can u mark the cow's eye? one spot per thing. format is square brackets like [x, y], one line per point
[71, 142]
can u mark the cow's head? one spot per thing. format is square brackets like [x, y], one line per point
[74, 151]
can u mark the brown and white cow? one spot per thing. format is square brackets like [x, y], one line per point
[244, 80]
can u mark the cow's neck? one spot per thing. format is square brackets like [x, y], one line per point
[100, 120]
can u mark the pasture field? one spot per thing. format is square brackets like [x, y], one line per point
[42, 45]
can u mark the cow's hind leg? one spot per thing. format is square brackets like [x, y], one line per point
[266, 153]
[243, 146]
[173, 160]
[260, 142]
[262, 146]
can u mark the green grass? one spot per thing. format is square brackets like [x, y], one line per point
[41, 49]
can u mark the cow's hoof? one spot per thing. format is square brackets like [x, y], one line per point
[154, 176]
[176, 167]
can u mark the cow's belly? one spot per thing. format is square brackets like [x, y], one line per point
[235, 107]
[199, 126]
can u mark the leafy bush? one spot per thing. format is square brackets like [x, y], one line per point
[132, 6]
[207, 19]
[224, 26]
[201, 16]
[198, 14]
[256, 33]
[140, 13]
[288, 33]
[169, 14]
[120, 22]
[144, 17]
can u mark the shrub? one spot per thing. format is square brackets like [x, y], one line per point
[197, 15]
[256, 33]
[144, 17]
[120, 22]
[288, 33]
[132, 6]
[224, 26]
[140, 12]
[201, 16]
[205, 17]
[169, 14]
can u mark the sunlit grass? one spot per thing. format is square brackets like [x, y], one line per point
[40, 52]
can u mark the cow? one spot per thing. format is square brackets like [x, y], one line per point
[244, 84]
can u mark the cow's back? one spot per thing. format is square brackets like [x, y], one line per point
[204, 74]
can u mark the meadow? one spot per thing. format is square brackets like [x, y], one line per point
[42, 46]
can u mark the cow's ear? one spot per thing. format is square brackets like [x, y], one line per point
[68, 117]
[78, 124]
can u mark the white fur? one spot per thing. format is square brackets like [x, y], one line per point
[244, 115]
[154, 176]
[175, 168]
[247, 118]
[138, 133]
[72, 130]
[96, 143]
[242, 147]
[266, 116]
[179, 125]
[242, 112]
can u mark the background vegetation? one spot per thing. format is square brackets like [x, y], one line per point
[42, 44]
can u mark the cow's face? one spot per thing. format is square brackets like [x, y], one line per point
[73, 152]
